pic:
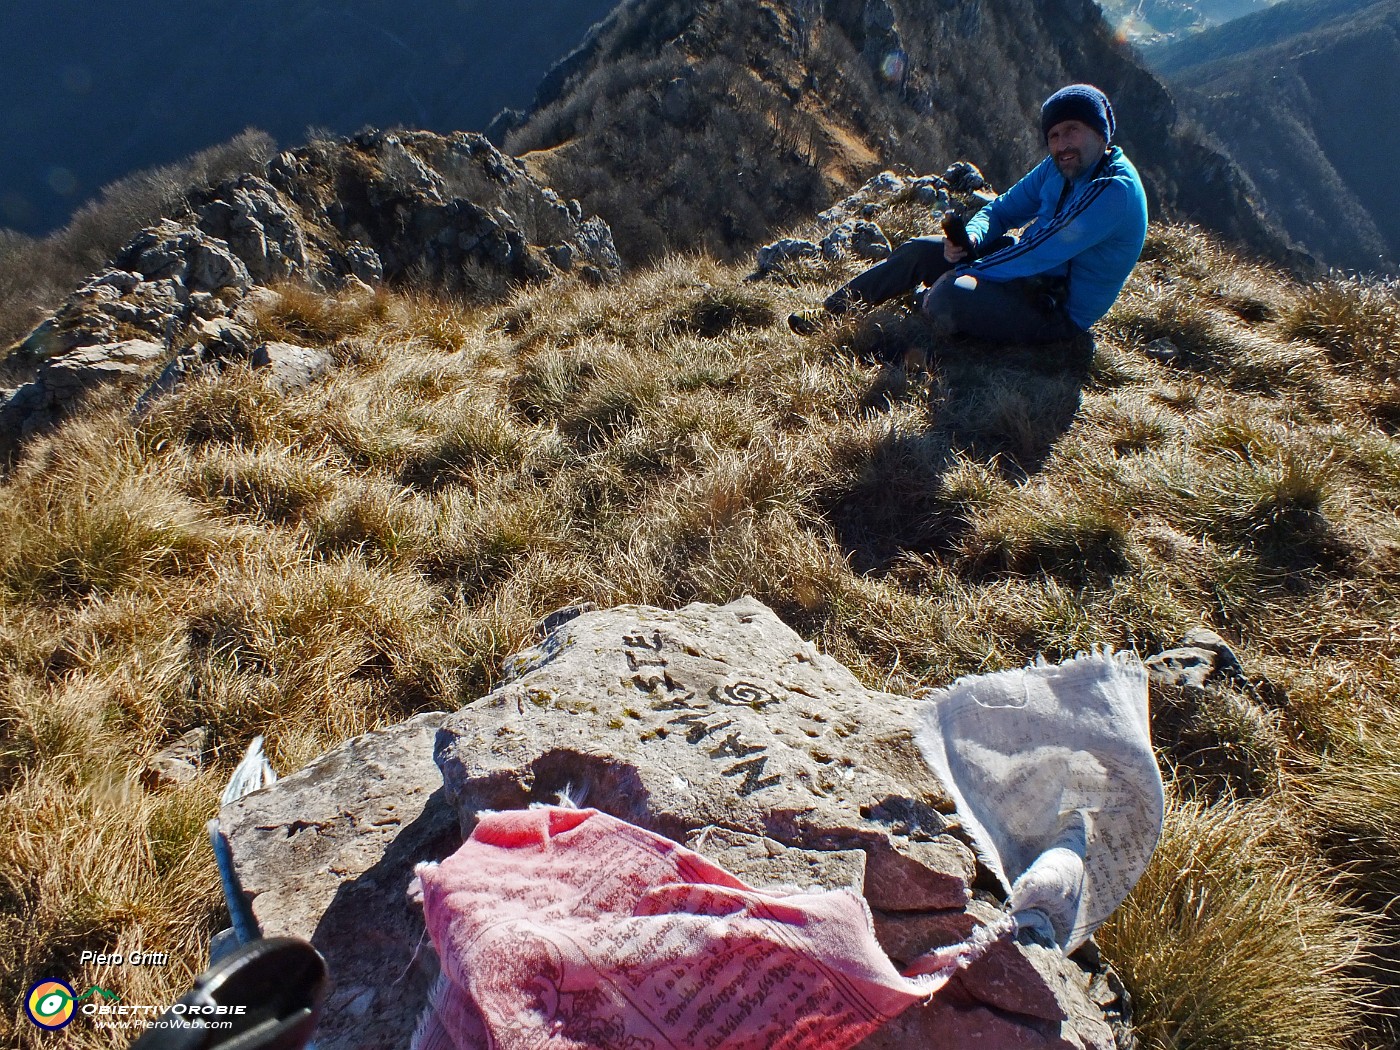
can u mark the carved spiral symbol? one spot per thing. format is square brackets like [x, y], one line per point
[744, 694]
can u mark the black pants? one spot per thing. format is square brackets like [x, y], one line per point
[1019, 311]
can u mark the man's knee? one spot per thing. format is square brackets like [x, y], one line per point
[940, 303]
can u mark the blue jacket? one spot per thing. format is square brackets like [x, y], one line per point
[1094, 237]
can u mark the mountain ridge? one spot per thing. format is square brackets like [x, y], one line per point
[867, 81]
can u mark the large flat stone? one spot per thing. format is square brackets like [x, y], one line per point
[327, 854]
[720, 716]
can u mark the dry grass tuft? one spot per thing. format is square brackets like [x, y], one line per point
[299, 314]
[74, 527]
[1353, 319]
[1028, 533]
[117, 870]
[1352, 802]
[717, 311]
[269, 485]
[235, 408]
[1231, 940]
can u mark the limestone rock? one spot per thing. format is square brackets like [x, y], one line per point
[248, 214]
[71, 375]
[907, 935]
[178, 763]
[430, 205]
[1203, 656]
[772, 256]
[877, 191]
[932, 191]
[362, 210]
[1162, 350]
[363, 263]
[200, 263]
[764, 863]
[869, 242]
[837, 243]
[1185, 667]
[712, 716]
[327, 853]
[289, 368]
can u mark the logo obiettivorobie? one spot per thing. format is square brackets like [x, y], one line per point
[50, 1003]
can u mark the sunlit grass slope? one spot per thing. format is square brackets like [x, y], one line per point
[312, 566]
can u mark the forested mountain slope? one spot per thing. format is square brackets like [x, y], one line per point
[1305, 97]
[692, 124]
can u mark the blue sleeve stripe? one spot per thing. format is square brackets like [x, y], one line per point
[1037, 238]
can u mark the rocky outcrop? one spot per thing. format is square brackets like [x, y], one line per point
[421, 204]
[1214, 724]
[716, 726]
[851, 227]
[452, 210]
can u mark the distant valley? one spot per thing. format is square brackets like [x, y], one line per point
[1306, 100]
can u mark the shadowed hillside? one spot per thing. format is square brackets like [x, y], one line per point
[94, 98]
[688, 124]
[1306, 99]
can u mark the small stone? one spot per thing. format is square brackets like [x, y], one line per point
[1186, 667]
[836, 243]
[964, 177]
[786, 250]
[290, 368]
[869, 242]
[1162, 350]
[177, 764]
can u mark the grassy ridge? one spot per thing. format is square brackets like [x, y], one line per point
[313, 566]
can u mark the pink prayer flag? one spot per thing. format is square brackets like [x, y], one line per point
[563, 928]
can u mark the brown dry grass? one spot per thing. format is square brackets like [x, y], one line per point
[313, 566]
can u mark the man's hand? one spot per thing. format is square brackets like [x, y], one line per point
[956, 243]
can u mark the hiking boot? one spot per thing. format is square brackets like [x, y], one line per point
[810, 322]
[913, 359]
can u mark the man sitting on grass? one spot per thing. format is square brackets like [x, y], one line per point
[1088, 217]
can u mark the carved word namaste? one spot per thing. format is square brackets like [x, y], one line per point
[697, 718]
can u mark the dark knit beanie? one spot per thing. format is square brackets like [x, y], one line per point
[1082, 102]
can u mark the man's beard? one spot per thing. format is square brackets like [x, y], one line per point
[1072, 167]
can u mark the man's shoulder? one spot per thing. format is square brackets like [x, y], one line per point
[1119, 167]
